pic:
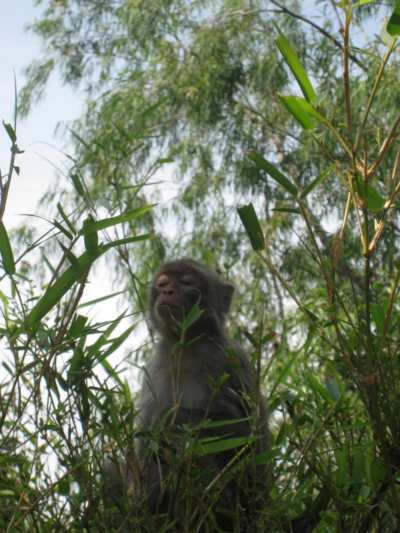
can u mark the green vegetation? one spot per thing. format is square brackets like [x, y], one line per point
[288, 118]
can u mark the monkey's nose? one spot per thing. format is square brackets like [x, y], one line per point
[168, 291]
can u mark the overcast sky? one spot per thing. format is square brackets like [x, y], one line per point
[36, 134]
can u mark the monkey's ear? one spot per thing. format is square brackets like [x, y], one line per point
[226, 296]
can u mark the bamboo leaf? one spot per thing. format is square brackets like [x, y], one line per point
[295, 109]
[375, 200]
[362, 3]
[10, 130]
[102, 340]
[128, 240]
[252, 226]
[193, 315]
[107, 222]
[333, 388]
[221, 445]
[301, 110]
[6, 251]
[60, 287]
[76, 180]
[154, 107]
[274, 173]
[91, 238]
[317, 181]
[65, 218]
[101, 299]
[295, 66]
[292, 210]
[115, 344]
[316, 386]
[393, 25]
[378, 314]
[63, 230]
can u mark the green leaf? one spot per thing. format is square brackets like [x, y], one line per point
[193, 315]
[107, 222]
[111, 372]
[95, 348]
[252, 226]
[6, 251]
[393, 25]
[375, 200]
[76, 180]
[292, 105]
[154, 107]
[333, 388]
[64, 487]
[274, 173]
[295, 66]
[378, 315]
[91, 238]
[63, 230]
[65, 218]
[10, 131]
[128, 240]
[69, 254]
[7, 492]
[358, 472]
[222, 445]
[264, 458]
[317, 388]
[77, 326]
[317, 181]
[293, 210]
[284, 372]
[341, 474]
[76, 370]
[375, 470]
[101, 299]
[268, 337]
[60, 287]
[387, 39]
[362, 3]
[115, 344]
[301, 110]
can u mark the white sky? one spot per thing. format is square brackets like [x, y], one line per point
[36, 133]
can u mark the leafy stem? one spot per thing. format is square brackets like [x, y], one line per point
[372, 95]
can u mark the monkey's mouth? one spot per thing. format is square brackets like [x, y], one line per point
[167, 305]
[169, 308]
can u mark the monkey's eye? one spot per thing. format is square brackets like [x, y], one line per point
[162, 281]
[187, 280]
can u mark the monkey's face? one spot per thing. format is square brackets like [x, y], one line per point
[173, 295]
[176, 287]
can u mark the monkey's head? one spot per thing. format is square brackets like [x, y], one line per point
[176, 287]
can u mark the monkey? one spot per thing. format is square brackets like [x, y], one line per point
[198, 401]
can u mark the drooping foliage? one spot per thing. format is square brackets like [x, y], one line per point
[285, 109]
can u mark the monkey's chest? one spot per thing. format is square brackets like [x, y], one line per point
[191, 387]
[186, 385]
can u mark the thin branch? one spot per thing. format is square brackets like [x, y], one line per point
[371, 98]
[346, 73]
[287, 11]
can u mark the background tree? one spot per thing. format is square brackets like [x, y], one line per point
[204, 85]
